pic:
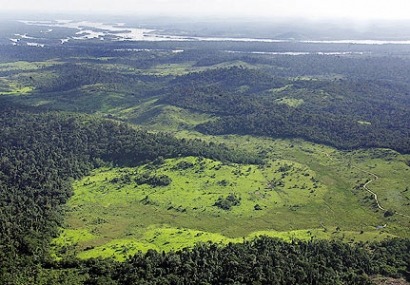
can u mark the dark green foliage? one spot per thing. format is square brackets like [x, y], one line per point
[147, 201]
[348, 101]
[226, 203]
[261, 261]
[229, 79]
[183, 165]
[153, 180]
[223, 182]
[257, 207]
[331, 111]
[389, 213]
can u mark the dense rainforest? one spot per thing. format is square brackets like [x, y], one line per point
[248, 102]
[41, 152]
[75, 117]
[261, 261]
[348, 102]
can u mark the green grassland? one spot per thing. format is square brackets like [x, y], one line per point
[8, 87]
[188, 67]
[303, 191]
[291, 102]
[25, 65]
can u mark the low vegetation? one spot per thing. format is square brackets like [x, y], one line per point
[207, 200]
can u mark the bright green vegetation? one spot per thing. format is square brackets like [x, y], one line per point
[392, 185]
[25, 65]
[188, 67]
[170, 69]
[8, 87]
[189, 199]
[345, 173]
[165, 238]
[365, 123]
[163, 117]
[291, 102]
[303, 191]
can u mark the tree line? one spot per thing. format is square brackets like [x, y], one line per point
[263, 260]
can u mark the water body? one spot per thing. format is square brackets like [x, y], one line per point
[301, 53]
[119, 32]
[96, 30]
[35, 45]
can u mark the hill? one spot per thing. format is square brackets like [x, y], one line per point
[346, 101]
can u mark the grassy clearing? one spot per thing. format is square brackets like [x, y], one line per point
[342, 173]
[364, 123]
[25, 65]
[291, 102]
[280, 89]
[8, 87]
[95, 98]
[166, 238]
[234, 63]
[304, 191]
[158, 117]
[392, 185]
[170, 69]
[185, 68]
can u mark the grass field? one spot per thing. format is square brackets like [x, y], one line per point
[25, 65]
[291, 102]
[8, 87]
[303, 191]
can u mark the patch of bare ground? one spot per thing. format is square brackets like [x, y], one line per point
[379, 280]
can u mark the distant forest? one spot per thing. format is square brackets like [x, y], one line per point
[345, 113]
[347, 101]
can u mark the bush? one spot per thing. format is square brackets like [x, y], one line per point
[228, 202]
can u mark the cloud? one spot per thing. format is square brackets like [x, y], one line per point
[359, 9]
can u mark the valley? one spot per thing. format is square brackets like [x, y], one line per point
[125, 150]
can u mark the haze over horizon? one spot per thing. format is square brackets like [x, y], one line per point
[358, 10]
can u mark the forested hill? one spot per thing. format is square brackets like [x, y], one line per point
[40, 152]
[340, 98]
[345, 113]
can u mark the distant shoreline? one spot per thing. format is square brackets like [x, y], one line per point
[120, 32]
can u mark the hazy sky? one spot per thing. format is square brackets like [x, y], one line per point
[363, 9]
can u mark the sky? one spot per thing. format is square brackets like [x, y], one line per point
[310, 9]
